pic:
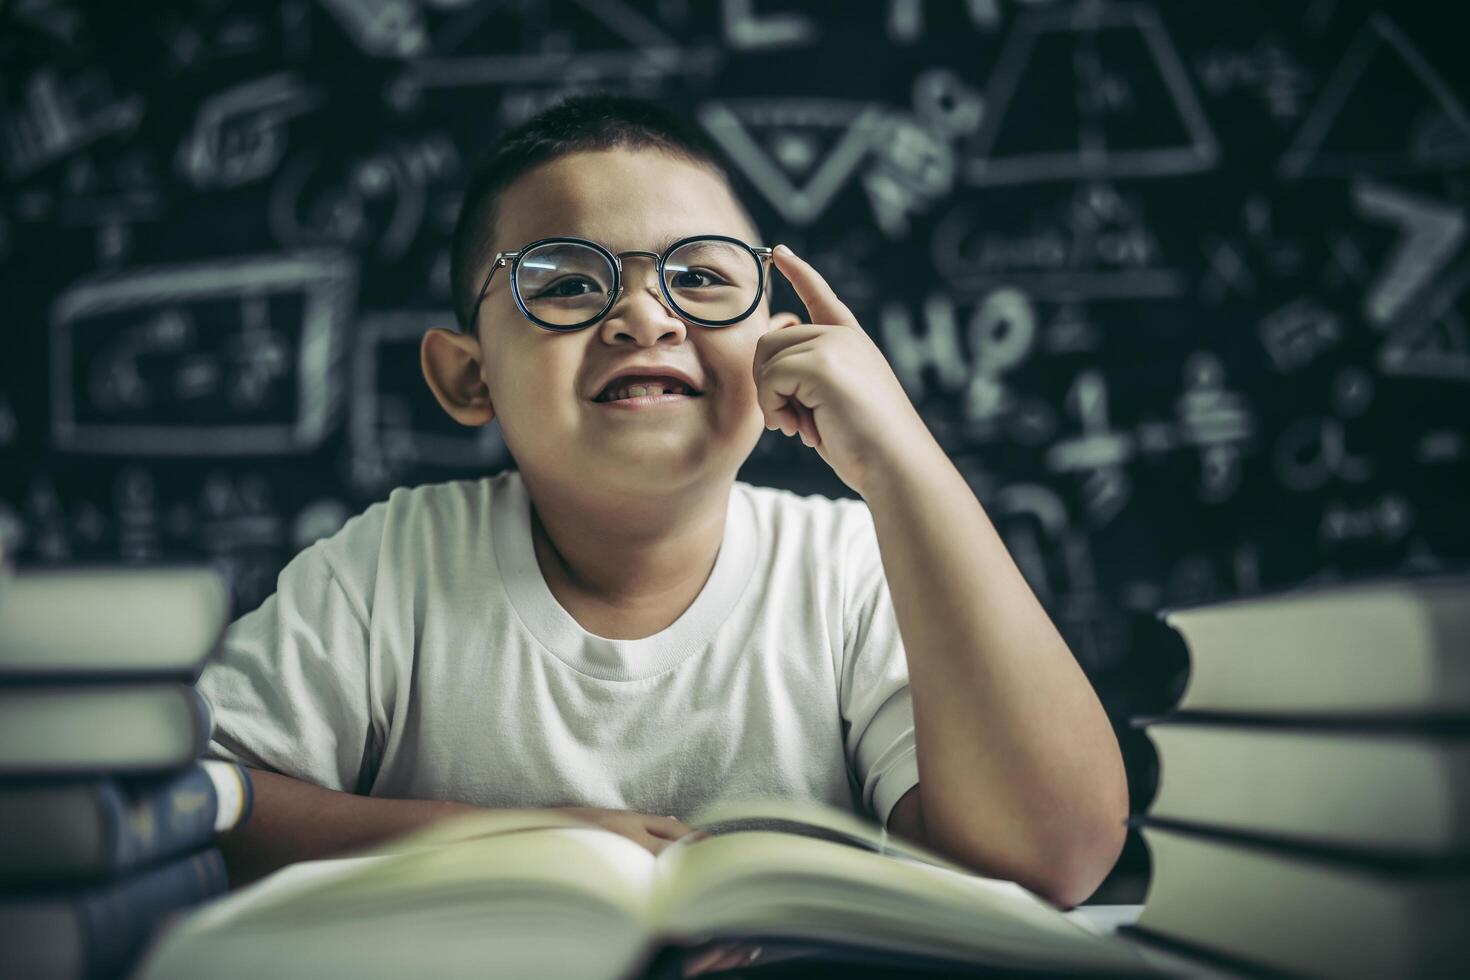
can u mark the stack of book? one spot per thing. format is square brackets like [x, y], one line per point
[1312, 814]
[107, 811]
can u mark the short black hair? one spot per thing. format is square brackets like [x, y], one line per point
[587, 121]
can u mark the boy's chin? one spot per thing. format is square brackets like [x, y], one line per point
[654, 464]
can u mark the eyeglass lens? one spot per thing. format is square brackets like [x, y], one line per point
[566, 284]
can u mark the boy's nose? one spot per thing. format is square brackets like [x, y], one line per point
[635, 284]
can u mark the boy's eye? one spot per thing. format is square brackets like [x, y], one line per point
[575, 287]
[695, 277]
[566, 288]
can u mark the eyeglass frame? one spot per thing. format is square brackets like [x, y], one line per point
[761, 253]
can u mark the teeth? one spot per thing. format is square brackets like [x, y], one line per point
[638, 390]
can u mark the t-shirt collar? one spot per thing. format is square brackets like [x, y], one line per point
[598, 656]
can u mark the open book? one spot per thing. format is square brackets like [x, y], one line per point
[534, 893]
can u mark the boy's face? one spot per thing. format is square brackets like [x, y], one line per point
[542, 384]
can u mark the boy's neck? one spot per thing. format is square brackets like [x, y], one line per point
[627, 568]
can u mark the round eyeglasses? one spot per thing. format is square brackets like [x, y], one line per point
[567, 284]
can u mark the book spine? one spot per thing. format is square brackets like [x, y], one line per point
[117, 919]
[147, 821]
[54, 832]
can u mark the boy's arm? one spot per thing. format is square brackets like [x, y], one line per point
[1021, 776]
[292, 820]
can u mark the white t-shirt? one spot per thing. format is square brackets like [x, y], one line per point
[418, 653]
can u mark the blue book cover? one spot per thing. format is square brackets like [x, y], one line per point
[52, 830]
[98, 931]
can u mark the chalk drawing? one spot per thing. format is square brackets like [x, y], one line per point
[1098, 453]
[747, 29]
[1097, 244]
[1095, 70]
[392, 28]
[224, 357]
[797, 153]
[240, 135]
[1430, 338]
[1384, 110]
[1431, 232]
[58, 116]
[1311, 452]
[1299, 332]
[566, 43]
[378, 201]
[1217, 422]
[1385, 521]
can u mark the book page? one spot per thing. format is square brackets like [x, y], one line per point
[832, 881]
[274, 888]
[808, 818]
[479, 855]
[500, 888]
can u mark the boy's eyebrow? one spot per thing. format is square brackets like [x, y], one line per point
[660, 246]
[663, 244]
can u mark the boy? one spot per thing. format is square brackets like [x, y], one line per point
[620, 628]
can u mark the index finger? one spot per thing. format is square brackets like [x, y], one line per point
[822, 304]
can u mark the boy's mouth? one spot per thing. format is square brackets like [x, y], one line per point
[640, 387]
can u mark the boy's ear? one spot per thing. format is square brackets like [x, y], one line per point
[451, 364]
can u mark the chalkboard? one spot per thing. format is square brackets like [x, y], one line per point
[1182, 288]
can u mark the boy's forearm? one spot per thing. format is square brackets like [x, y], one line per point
[1020, 775]
[292, 820]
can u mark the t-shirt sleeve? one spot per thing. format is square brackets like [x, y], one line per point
[289, 686]
[874, 687]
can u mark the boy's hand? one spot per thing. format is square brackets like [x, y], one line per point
[828, 381]
[654, 833]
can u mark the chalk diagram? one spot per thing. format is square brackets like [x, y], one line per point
[1384, 110]
[1431, 338]
[1313, 452]
[240, 135]
[227, 357]
[1099, 453]
[798, 153]
[1297, 333]
[1097, 244]
[1089, 92]
[1217, 422]
[387, 28]
[1247, 260]
[59, 115]
[1408, 298]
[563, 44]
[378, 200]
[1431, 234]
